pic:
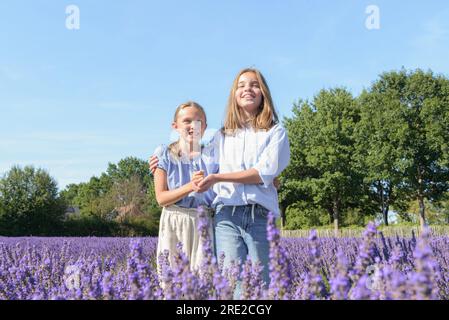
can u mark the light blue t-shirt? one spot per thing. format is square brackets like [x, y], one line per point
[179, 173]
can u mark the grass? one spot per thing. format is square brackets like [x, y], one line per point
[388, 231]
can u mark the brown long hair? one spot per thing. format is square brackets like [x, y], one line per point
[174, 147]
[266, 116]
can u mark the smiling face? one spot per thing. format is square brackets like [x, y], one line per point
[248, 94]
[190, 124]
[249, 103]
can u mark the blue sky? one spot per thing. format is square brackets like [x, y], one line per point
[73, 100]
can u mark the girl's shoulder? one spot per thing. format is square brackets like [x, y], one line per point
[161, 150]
[214, 140]
[278, 133]
[163, 153]
[210, 146]
[278, 127]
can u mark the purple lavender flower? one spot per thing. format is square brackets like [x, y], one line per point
[340, 284]
[111, 268]
[280, 274]
[426, 275]
[365, 259]
[245, 277]
[315, 288]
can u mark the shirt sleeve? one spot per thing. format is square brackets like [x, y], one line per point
[275, 157]
[161, 153]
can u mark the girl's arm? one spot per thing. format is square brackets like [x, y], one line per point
[231, 176]
[273, 160]
[165, 197]
[250, 176]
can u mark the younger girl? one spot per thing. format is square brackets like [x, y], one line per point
[180, 166]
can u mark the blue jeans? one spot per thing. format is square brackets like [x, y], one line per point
[241, 233]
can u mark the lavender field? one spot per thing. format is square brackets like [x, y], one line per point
[371, 267]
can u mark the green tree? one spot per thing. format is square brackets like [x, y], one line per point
[436, 212]
[424, 108]
[129, 167]
[90, 193]
[29, 203]
[379, 139]
[321, 169]
[123, 185]
[130, 192]
[70, 194]
[443, 208]
[304, 215]
[131, 183]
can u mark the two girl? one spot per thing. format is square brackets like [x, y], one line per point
[251, 149]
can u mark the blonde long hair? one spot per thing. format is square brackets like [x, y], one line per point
[266, 116]
[174, 147]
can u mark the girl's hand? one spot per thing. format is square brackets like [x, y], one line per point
[198, 174]
[153, 164]
[197, 177]
[207, 183]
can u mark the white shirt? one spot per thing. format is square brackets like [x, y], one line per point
[266, 151]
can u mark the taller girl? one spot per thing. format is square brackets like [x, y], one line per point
[253, 149]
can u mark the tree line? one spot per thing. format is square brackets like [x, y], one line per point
[120, 202]
[353, 159]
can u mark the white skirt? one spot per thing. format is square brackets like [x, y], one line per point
[179, 224]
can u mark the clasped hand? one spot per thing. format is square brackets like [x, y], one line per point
[200, 184]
